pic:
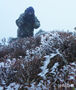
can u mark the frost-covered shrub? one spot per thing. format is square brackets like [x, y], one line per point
[19, 46]
[39, 62]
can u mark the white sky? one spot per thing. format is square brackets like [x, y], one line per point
[53, 14]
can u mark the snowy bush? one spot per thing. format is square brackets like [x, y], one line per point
[45, 61]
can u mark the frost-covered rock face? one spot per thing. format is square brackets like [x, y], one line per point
[43, 62]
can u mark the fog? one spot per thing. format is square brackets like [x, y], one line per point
[53, 15]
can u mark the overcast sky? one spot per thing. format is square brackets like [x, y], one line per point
[53, 14]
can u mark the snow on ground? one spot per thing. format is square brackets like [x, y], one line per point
[72, 71]
[54, 68]
[44, 67]
[1, 88]
[7, 63]
[13, 86]
[1, 64]
[64, 60]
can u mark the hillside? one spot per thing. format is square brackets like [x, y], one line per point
[43, 62]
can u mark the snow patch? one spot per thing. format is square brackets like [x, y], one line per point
[1, 64]
[54, 68]
[13, 86]
[1, 88]
[64, 60]
[44, 67]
